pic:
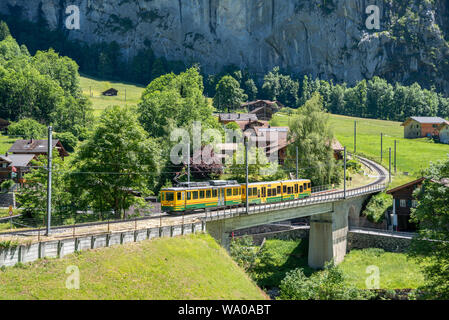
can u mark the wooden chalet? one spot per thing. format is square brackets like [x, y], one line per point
[36, 147]
[14, 166]
[403, 201]
[264, 109]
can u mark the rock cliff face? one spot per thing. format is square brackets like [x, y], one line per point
[322, 38]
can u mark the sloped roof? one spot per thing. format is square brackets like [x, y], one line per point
[18, 160]
[426, 120]
[33, 146]
[237, 117]
[412, 183]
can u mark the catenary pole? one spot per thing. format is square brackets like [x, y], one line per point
[247, 172]
[49, 165]
[355, 137]
[188, 163]
[297, 167]
[344, 176]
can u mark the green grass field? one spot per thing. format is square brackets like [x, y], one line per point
[413, 155]
[188, 267]
[94, 87]
[396, 270]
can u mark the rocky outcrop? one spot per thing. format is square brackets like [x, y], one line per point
[323, 38]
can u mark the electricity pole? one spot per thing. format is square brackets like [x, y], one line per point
[188, 163]
[355, 136]
[297, 169]
[395, 156]
[247, 172]
[389, 167]
[344, 176]
[49, 165]
[381, 147]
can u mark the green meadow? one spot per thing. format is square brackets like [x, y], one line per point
[94, 87]
[412, 155]
[396, 270]
[189, 267]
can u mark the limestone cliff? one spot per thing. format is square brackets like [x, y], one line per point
[323, 38]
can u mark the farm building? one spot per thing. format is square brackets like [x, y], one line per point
[421, 127]
[403, 201]
[264, 109]
[15, 165]
[244, 120]
[36, 147]
[444, 133]
[110, 92]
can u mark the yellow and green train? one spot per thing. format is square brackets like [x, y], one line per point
[220, 194]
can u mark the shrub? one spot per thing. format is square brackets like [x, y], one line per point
[244, 252]
[328, 284]
[377, 206]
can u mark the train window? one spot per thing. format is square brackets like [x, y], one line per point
[250, 192]
[296, 188]
[189, 195]
[289, 190]
[235, 192]
[202, 194]
[309, 185]
[179, 195]
[269, 192]
[243, 191]
[273, 192]
[278, 189]
[264, 190]
[169, 196]
[207, 193]
[162, 196]
[214, 193]
[255, 191]
[229, 192]
[284, 189]
[300, 189]
[195, 195]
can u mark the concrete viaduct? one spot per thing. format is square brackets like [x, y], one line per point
[329, 214]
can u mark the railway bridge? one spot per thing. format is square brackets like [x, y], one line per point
[329, 212]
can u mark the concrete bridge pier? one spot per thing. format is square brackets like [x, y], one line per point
[217, 230]
[327, 238]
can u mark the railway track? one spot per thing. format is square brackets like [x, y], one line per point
[164, 219]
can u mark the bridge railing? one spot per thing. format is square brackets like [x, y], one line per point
[314, 199]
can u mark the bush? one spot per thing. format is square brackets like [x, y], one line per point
[244, 252]
[328, 284]
[377, 206]
[67, 139]
[27, 129]
[6, 185]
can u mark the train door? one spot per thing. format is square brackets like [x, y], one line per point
[263, 199]
[221, 197]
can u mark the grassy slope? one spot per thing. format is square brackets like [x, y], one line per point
[397, 271]
[189, 267]
[413, 155]
[96, 86]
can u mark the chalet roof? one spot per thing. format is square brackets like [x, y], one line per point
[426, 120]
[412, 183]
[269, 102]
[33, 146]
[237, 117]
[336, 145]
[17, 160]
